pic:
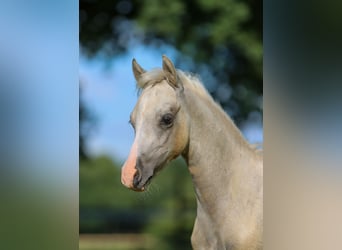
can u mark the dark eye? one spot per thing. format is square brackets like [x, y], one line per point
[167, 120]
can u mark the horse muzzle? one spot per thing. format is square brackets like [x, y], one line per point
[142, 177]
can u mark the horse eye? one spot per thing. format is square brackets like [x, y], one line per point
[167, 120]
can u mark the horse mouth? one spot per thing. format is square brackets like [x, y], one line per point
[140, 182]
[148, 181]
[142, 186]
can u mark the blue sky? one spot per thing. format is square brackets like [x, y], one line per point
[109, 91]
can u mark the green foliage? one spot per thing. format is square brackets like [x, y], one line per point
[224, 36]
[100, 185]
[166, 18]
[87, 123]
[166, 210]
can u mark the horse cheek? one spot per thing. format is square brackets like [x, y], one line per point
[180, 141]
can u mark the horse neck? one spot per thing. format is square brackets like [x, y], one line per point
[216, 148]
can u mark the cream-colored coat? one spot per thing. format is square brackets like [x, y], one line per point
[227, 172]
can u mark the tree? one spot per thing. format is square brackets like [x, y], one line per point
[86, 125]
[224, 37]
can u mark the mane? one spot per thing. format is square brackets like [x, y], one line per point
[150, 78]
[192, 81]
[258, 148]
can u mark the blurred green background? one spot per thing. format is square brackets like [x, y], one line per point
[160, 218]
[219, 40]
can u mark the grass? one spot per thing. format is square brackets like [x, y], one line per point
[117, 242]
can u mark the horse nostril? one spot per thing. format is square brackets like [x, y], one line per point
[137, 178]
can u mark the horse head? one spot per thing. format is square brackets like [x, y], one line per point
[160, 123]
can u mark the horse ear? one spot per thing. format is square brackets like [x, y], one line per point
[137, 69]
[170, 70]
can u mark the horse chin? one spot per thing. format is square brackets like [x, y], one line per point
[138, 189]
[147, 183]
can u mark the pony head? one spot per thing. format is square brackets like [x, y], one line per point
[160, 123]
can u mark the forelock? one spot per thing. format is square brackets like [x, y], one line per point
[151, 78]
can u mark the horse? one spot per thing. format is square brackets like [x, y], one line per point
[174, 116]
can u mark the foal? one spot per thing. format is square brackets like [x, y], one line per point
[176, 116]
